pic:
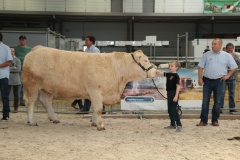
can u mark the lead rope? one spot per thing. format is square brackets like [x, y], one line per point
[178, 107]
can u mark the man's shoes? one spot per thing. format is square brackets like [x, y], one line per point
[201, 124]
[103, 112]
[81, 110]
[15, 111]
[179, 128]
[215, 124]
[5, 118]
[233, 110]
[170, 127]
[74, 106]
[22, 103]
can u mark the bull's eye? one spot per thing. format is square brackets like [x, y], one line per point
[146, 61]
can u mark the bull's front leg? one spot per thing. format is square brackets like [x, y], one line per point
[46, 99]
[97, 114]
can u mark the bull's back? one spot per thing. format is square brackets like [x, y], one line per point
[67, 74]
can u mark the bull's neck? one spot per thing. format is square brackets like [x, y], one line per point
[130, 70]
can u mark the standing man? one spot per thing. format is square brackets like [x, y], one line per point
[230, 83]
[89, 42]
[215, 65]
[20, 51]
[5, 62]
[206, 50]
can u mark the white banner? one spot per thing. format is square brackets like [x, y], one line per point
[143, 95]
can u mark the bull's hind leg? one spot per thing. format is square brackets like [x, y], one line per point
[97, 112]
[46, 99]
[30, 99]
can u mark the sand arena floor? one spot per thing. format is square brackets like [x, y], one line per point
[123, 139]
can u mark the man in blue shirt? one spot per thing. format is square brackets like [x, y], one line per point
[90, 43]
[5, 62]
[91, 48]
[212, 72]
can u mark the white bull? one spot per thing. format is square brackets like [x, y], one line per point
[73, 75]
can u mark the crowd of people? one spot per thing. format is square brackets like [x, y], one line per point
[11, 60]
[217, 71]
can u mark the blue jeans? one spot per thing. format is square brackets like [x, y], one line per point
[5, 96]
[229, 84]
[87, 105]
[172, 109]
[209, 86]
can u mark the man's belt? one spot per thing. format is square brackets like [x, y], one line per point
[218, 79]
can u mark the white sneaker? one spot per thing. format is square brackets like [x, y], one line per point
[179, 128]
[170, 127]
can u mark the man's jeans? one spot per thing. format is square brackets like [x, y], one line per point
[87, 105]
[229, 84]
[5, 96]
[209, 86]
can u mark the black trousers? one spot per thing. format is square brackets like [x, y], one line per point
[15, 95]
[5, 96]
[79, 102]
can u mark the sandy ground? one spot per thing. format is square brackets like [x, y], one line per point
[123, 139]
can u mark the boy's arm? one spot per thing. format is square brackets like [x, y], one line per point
[177, 93]
[159, 73]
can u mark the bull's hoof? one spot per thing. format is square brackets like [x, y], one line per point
[101, 129]
[32, 124]
[55, 121]
[93, 124]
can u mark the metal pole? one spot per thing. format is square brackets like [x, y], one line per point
[154, 55]
[178, 47]
[186, 50]
[151, 50]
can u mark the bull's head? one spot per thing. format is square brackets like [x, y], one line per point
[142, 60]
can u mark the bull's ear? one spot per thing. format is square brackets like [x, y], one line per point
[139, 51]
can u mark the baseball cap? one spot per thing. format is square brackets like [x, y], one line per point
[22, 37]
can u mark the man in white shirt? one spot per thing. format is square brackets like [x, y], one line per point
[5, 62]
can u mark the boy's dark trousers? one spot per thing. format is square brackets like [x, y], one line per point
[172, 109]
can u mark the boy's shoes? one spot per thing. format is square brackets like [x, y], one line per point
[179, 128]
[5, 118]
[170, 127]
